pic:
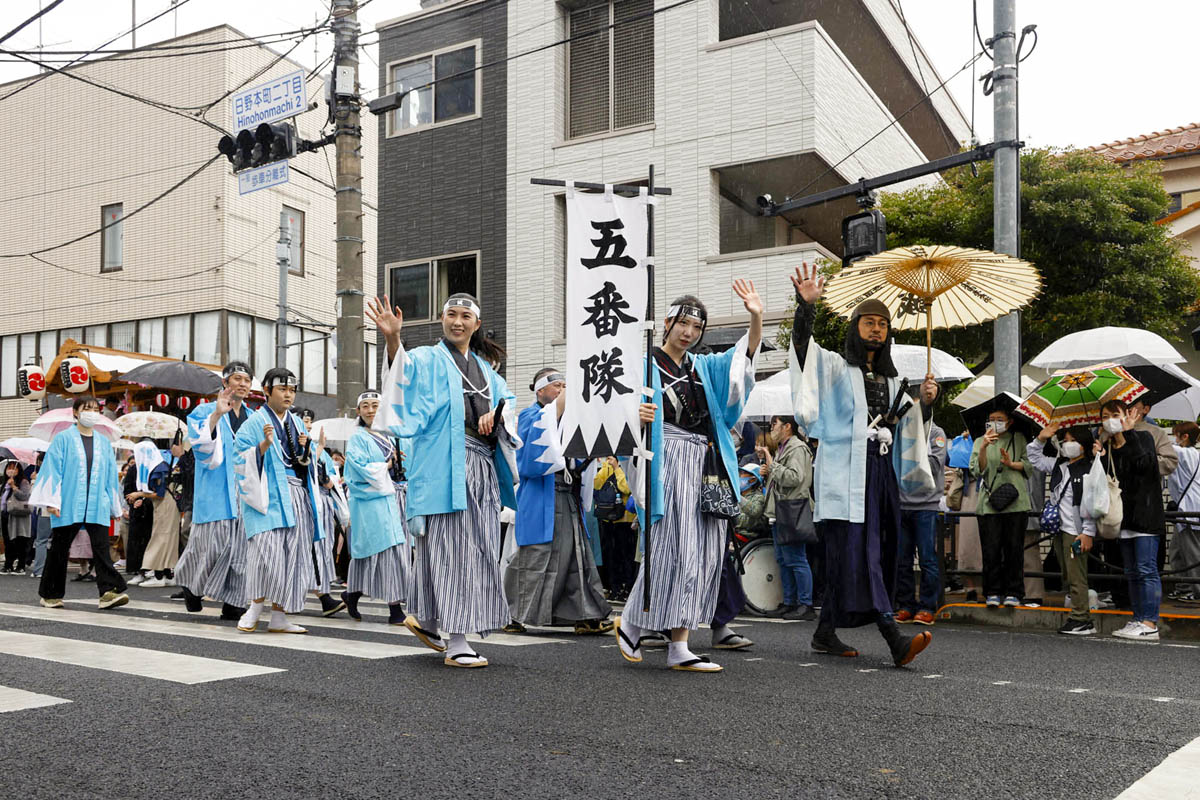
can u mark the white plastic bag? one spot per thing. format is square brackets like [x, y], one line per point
[1095, 491]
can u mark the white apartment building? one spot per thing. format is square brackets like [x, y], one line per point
[728, 100]
[194, 274]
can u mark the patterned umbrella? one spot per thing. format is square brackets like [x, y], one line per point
[154, 424]
[1074, 396]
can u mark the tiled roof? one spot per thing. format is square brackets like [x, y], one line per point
[1171, 142]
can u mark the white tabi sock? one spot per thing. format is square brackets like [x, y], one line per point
[456, 644]
[720, 632]
[678, 652]
[250, 619]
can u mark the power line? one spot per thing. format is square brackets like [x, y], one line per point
[29, 21]
[128, 55]
[168, 46]
[118, 279]
[97, 183]
[124, 217]
[41, 78]
[912, 43]
[888, 127]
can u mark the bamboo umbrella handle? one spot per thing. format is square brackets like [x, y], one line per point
[929, 339]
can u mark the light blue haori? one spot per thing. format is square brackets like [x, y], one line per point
[374, 511]
[63, 482]
[539, 458]
[727, 379]
[829, 399]
[423, 401]
[266, 498]
[215, 483]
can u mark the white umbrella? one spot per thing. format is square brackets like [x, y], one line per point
[1129, 347]
[1183, 405]
[911, 362]
[338, 429]
[983, 388]
[58, 420]
[123, 444]
[26, 443]
[774, 396]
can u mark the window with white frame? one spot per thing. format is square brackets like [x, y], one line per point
[442, 87]
[421, 288]
[610, 80]
[112, 245]
[293, 220]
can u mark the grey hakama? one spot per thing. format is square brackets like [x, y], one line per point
[280, 564]
[685, 545]
[384, 575]
[455, 584]
[557, 582]
[213, 563]
[324, 571]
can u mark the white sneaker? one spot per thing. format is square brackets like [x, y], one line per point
[153, 583]
[136, 580]
[169, 582]
[1128, 627]
[119, 564]
[1093, 599]
[1138, 631]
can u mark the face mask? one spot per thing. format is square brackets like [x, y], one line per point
[1071, 449]
[998, 427]
[1113, 425]
[89, 419]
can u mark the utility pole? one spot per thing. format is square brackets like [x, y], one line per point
[133, 24]
[283, 257]
[1006, 186]
[350, 351]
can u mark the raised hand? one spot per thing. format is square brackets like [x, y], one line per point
[929, 389]
[809, 284]
[749, 295]
[387, 320]
[1047, 433]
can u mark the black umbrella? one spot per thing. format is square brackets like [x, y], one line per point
[975, 418]
[1161, 384]
[180, 376]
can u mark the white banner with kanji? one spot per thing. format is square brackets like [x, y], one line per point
[606, 307]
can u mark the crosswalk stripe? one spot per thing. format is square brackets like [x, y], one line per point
[174, 667]
[19, 700]
[332, 623]
[199, 630]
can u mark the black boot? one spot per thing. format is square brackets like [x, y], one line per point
[904, 647]
[232, 612]
[192, 602]
[329, 606]
[825, 641]
[395, 613]
[351, 601]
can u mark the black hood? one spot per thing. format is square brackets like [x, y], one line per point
[856, 352]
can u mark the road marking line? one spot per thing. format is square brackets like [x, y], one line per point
[1078, 691]
[155, 664]
[1174, 777]
[1187, 646]
[754, 659]
[19, 700]
[935, 675]
[1001, 683]
[868, 670]
[198, 630]
[1162, 699]
[366, 626]
[810, 664]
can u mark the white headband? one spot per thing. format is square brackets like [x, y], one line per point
[366, 396]
[546, 380]
[688, 311]
[463, 302]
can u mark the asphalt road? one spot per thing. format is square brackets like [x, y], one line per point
[979, 715]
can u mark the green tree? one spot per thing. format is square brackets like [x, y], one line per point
[1087, 224]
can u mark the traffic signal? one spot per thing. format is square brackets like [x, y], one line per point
[863, 235]
[268, 143]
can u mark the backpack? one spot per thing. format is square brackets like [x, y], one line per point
[607, 501]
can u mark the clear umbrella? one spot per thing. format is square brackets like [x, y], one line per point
[1129, 347]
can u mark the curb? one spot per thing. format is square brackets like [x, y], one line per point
[1184, 627]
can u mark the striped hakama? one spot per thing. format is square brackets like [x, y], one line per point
[384, 575]
[455, 583]
[323, 566]
[557, 582]
[280, 563]
[685, 545]
[213, 563]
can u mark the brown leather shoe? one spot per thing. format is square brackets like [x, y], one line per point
[923, 618]
[904, 616]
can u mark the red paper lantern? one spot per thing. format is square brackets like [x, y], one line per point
[184, 403]
[162, 400]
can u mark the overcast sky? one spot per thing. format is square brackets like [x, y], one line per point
[1105, 69]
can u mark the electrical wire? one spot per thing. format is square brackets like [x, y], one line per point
[41, 12]
[137, 210]
[127, 55]
[97, 183]
[975, 26]
[912, 43]
[168, 46]
[42, 77]
[887, 127]
[118, 279]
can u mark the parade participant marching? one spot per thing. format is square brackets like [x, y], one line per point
[77, 487]
[697, 399]
[278, 495]
[213, 563]
[552, 579]
[852, 404]
[446, 398]
[378, 554]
